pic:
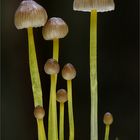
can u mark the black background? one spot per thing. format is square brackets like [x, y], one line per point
[118, 50]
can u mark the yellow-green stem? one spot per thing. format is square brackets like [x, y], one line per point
[34, 72]
[56, 49]
[61, 122]
[35, 79]
[41, 130]
[70, 110]
[107, 129]
[54, 133]
[93, 75]
[56, 57]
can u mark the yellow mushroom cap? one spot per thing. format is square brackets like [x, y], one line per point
[51, 67]
[68, 72]
[98, 5]
[55, 28]
[61, 96]
[108, 118]
[39, 112]
[30, 14]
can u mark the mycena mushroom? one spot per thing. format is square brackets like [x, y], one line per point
[28, 15]
[93, 6]
[108, 120]
[61, 97]
[69, 73]
[52, 68]
[54, 29]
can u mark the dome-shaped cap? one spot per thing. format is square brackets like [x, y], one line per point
[30, 14]
[61, 96]
[98, 5]
[68, 72]
[55, 28]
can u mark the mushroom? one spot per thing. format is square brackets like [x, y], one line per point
[61, 97]
[55, 29]
[69, 73]
[52, 68]
[93, 6]
[29, 14]
[108, 120]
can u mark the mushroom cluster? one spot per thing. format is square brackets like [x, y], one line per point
[31, 15]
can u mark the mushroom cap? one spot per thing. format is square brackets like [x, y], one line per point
[30, 14]
[39, 112]
[89, 5]
[51, 67]
[55, 28]
[108, 118]
[68, 72]
[61, 96]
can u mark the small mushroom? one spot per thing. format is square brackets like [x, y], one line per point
[39, 112]
[61, 97]
[51, 67]
[108, 120]
[69, 73]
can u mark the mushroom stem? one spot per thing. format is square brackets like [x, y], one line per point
[56, 57]
[56, 49]
[70, 110]
[107, 129]
[93, 75]
[34, 72]
[61, 122]
[35, 79]
[41, 130]
[54, 132]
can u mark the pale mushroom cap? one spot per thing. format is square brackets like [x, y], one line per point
[68, 72]
[108, 118]
[61, 96]
[55, 28]
[89, 5]
[30, 14]
[51, 67]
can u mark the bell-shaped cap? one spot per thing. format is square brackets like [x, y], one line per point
[89, 5]
[55, 28]
[30, 14]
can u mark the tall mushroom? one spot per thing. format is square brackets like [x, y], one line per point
[28, 15]
[69, 73]
[93, 6]
[54, 29]
[52, 68]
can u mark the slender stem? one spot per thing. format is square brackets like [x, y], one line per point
[41, 130]
[107, 129]
[61, 122]
[93, 75]
[56, 57]
[56, 49]
[54, 133]
[34, 72]
[35, 79]
[70, 110]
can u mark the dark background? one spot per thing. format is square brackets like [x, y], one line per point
[118, 50]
